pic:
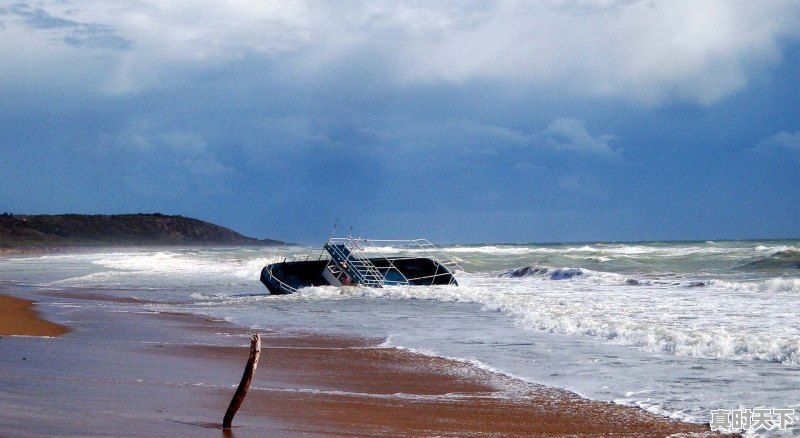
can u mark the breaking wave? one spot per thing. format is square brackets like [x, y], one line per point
[682, 318]
[541, 271]
[784, 259]
[777, 285]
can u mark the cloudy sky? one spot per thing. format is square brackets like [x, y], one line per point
[461, 121]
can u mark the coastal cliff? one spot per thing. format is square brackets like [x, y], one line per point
[50, 231]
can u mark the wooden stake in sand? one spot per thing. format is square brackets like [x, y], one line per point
[244, 385]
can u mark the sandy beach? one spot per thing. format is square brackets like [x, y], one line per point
[122, 370]
[18, 317]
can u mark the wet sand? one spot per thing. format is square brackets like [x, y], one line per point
[125, 371]
[18, 317]
[359, 390]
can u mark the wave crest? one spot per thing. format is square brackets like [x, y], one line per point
[541, 271]
[784, 259]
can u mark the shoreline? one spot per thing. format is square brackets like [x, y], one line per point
[19, 317]
[178, 371]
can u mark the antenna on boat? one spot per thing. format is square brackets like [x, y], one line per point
[333, 230]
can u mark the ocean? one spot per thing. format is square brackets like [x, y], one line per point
[676, 328]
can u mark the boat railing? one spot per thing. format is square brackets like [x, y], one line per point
[275, 278]
[347, 255]
[363, 249]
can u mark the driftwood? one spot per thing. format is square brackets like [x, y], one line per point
[244, 385]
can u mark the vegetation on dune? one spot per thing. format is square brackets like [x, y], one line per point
[118, 229]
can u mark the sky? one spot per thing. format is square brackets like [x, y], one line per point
[459, 121]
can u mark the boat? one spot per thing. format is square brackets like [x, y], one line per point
[348, 261]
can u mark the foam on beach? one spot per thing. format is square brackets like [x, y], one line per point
[157, 374]
[674, 328]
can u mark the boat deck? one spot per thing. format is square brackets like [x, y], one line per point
[363, 262]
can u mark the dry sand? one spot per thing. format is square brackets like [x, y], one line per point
[123, 371]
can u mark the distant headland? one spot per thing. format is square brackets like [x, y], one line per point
[81, 230]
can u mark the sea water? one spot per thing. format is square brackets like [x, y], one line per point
[676, 328]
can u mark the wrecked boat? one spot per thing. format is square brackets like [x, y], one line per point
[355, 261]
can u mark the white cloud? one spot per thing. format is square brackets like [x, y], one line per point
[561, 135]
[497, 133]
[571, 135]
[647, 51]
[582, 184]
[783, 140]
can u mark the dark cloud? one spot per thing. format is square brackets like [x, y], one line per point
[97, 38]
[74, 33]
[435, 126]
[37, 18]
